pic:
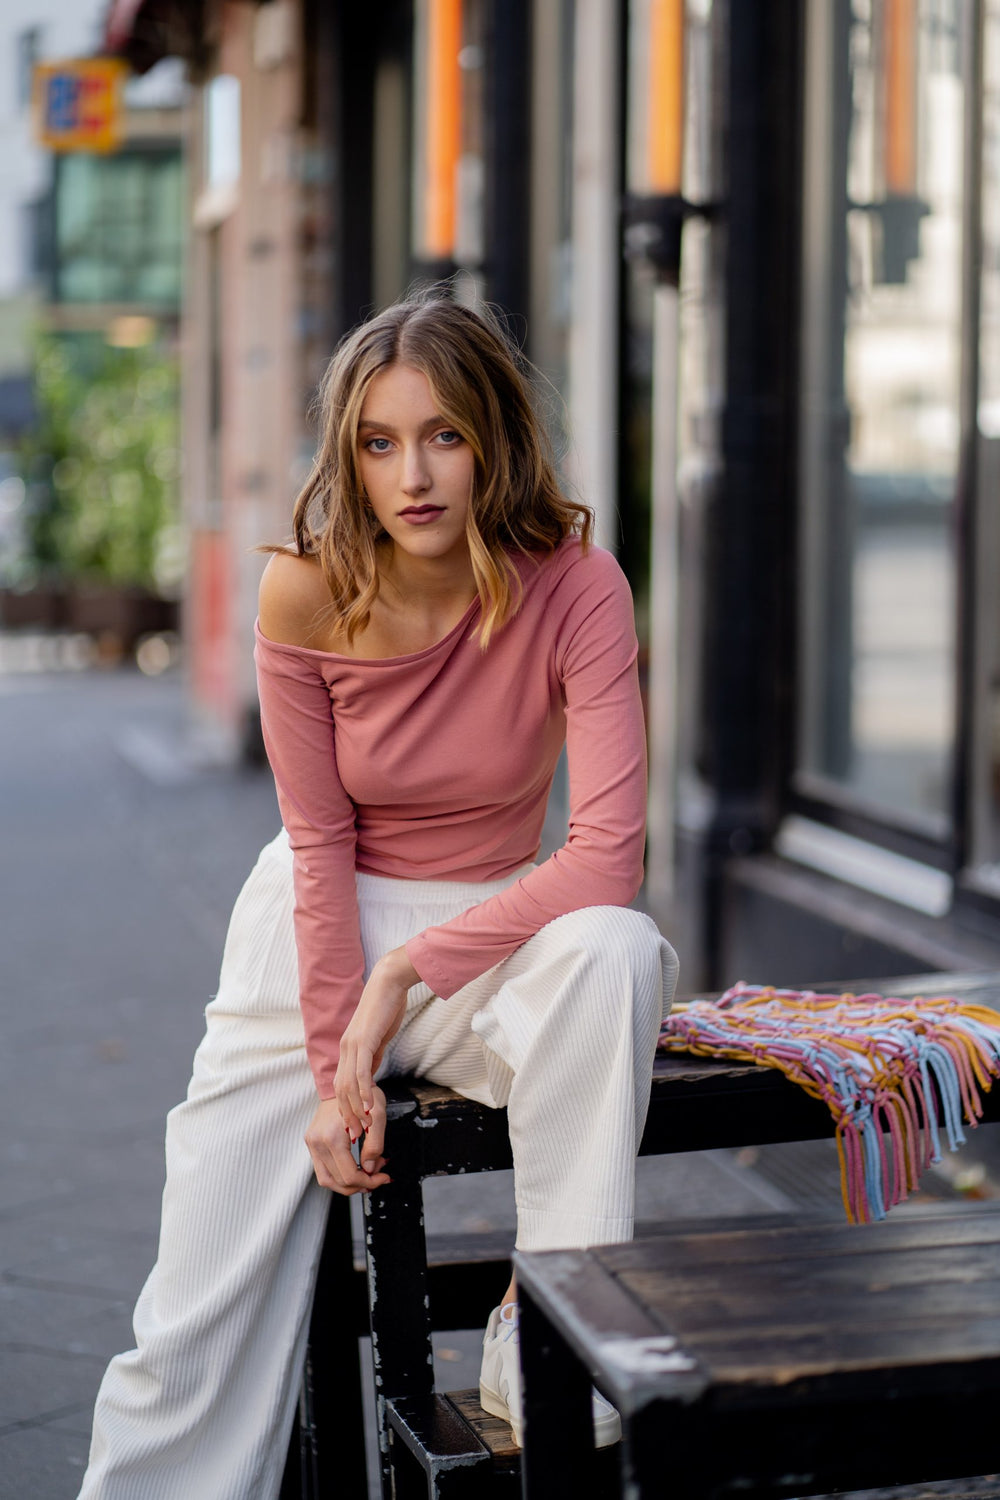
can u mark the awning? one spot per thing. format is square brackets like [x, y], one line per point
[120, 22]
[145, 31]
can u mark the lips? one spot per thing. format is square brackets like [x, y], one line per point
[417, 514]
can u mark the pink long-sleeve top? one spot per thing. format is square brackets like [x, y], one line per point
[437, 766]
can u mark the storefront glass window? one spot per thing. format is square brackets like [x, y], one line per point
[119, 225]
[987, 812]
[879, 459]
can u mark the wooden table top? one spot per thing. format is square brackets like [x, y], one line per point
[779, 1308]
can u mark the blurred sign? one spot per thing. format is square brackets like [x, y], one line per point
[78, 104]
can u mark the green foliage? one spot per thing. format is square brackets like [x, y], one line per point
[101, 466]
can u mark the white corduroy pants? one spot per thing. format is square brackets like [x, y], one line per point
[562, 1032]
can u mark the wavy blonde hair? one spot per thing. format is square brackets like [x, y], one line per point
[481, 386]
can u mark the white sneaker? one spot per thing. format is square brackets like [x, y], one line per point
[500, 1380]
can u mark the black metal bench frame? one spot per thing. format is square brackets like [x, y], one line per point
[695, 1104]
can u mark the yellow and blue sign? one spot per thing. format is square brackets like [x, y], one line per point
[78, 104]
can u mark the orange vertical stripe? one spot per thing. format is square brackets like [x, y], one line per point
[665, 134]
[900, 96]
[444, 124]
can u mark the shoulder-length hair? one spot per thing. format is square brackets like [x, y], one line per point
[480, 384]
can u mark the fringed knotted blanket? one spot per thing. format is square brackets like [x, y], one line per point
[890, 1071]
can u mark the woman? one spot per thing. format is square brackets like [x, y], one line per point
[441, 627]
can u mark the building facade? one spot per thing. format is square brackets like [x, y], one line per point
[753, 249]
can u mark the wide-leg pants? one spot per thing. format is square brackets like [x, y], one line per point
[562, 1032]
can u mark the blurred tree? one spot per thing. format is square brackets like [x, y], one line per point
[101, 466]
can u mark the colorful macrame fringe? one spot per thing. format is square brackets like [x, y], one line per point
[882, 1066]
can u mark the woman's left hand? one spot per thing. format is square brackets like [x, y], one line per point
[376, 1020]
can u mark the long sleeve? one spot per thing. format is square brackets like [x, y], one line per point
[601, 862]
[298, 728]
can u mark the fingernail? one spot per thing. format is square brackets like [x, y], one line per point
[353, 1137]
[368, 1166]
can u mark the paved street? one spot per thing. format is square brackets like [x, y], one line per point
[119, 863]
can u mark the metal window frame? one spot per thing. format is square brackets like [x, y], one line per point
[939, 844]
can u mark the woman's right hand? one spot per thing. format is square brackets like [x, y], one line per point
[330, 1148]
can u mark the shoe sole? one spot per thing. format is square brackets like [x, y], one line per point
[493, 1402]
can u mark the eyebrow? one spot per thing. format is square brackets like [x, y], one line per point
[435, 421]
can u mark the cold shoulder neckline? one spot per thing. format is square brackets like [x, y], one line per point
[368, 661]
[521, 562]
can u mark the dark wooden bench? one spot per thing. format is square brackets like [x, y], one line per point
[773, 1360]
[414, 1289]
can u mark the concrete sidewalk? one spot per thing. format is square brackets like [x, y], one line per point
[119, 864]
[115, 890]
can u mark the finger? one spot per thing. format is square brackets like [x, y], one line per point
[372, 1168]
[366, 1081]
[336, 1169]
[344, 1085]
[354, 1126]
[354, 1123]
[345, 1167]
[325, 1177]
[330, 1148]
[371, 1152]
[359, 1091]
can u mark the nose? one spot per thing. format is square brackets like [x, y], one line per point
[416, 478]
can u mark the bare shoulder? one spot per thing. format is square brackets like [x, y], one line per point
[294, 601]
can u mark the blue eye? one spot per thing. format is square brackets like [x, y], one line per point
[372, 448]
[450, 438]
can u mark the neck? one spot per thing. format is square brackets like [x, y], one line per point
[432, 581]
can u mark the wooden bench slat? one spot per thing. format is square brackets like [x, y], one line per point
[492, 1432]
[889, 1357]
[754, 1241]
[784, 1284]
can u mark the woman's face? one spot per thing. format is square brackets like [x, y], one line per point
[417, 470]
